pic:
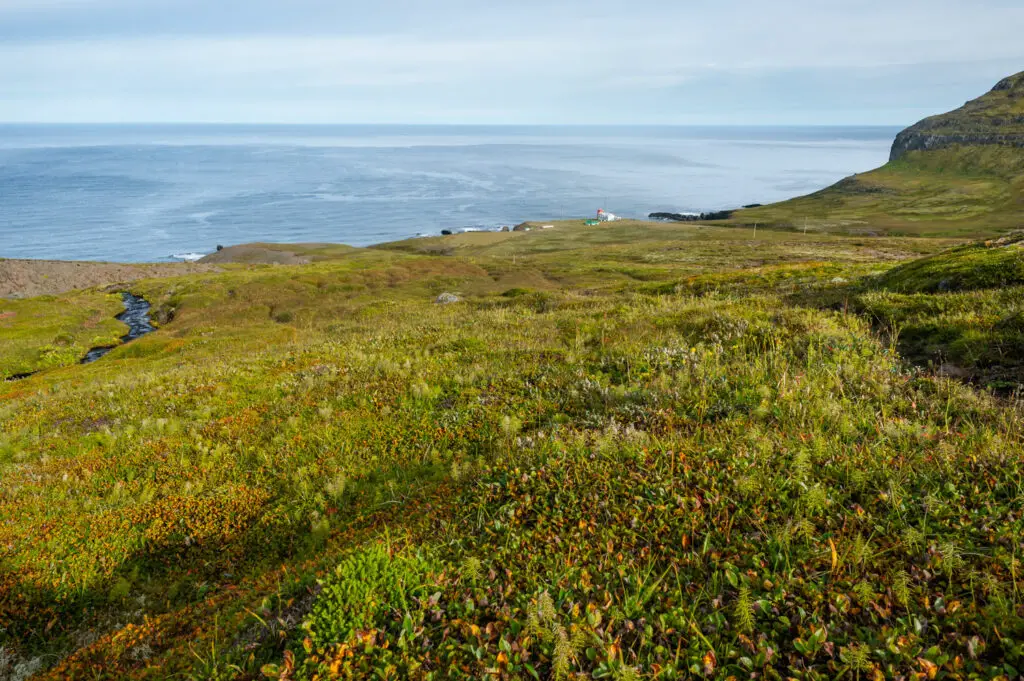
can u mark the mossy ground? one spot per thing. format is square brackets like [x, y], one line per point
[634, 451]
[46, 332]
[994, 263]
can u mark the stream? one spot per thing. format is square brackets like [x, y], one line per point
[136, 316]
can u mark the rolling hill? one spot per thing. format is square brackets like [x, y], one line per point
[956, 174]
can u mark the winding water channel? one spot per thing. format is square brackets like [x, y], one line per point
[135, 315]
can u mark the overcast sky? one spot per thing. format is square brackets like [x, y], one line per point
[491, 61]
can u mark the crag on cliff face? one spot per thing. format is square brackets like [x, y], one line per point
[996, 118]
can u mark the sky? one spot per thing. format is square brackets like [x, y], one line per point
[658, 62]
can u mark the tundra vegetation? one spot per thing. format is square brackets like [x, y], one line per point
[635, 451]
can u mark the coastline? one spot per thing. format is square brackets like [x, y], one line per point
[31, 277]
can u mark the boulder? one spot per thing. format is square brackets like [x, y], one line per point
[447, 299]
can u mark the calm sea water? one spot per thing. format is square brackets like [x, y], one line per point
[152, 193]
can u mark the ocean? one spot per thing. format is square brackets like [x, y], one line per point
[148, 193]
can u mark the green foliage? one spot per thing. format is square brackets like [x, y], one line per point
[901, 588]
[49, 332]
[366, 588]
[960, 310]
[857, 656]
[744, 612]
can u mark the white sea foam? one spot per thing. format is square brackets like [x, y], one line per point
[189, 257]
[203, 218]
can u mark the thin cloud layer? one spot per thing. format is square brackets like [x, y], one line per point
[527, 62]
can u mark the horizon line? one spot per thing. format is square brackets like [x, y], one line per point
[452, 125]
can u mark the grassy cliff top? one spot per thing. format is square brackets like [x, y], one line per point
[998, 113]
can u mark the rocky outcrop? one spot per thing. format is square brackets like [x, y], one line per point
[1010, 83]
[996, 118]
[692, 217]
[923, 140]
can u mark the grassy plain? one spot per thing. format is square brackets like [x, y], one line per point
[640, 451]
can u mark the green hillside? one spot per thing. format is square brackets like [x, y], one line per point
[957, 174]
[635, 451]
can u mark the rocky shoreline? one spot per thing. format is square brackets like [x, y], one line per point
[694, 217]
